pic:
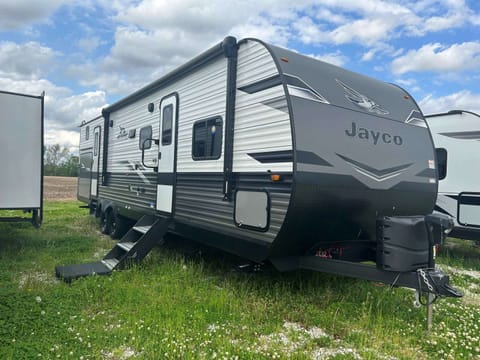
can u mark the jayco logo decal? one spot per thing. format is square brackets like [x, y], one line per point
[373, 135]
[122, 132]
[361, 100]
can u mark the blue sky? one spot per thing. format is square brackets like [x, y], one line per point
[87, 54]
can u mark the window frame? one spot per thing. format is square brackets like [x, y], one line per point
[441, 175]
[96, 142]
[141, 139]
[169, 142]
[206, 120]
[87, 132]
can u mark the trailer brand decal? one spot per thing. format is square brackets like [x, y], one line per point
[416, 118]
[299, 88]
[376, 136]
[378, 175]
[122, 132]
[361, 100]
[137, 167]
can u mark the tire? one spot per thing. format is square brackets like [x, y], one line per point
[118, 226]
[105, 222]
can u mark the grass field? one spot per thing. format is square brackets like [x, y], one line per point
[180, 305]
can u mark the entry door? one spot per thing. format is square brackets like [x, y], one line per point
[97, 132]
[166, 153]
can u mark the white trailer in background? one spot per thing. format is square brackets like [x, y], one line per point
[21, 157]
[456, 135]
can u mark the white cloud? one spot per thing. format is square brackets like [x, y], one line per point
[64, 115]
[21, 13]
[263, 29]
[439, 58]
[89, 44]
[462, 100]
[69, 112]
[26, 61]
[191, 16]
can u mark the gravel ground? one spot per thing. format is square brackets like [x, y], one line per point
[59, 188]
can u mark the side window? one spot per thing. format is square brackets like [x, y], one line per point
[96, 143]
[167, 121]
[207, 139]
[87, 133]
[441, 163]
[145, 133]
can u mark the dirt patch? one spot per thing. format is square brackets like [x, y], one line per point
[59, 188]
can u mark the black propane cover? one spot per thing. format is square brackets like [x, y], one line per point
[402, 243]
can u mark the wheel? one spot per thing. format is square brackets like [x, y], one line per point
[98, 211]
[91, 208]
[105, 222]
[118, 226]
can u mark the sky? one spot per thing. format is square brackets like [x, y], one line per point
[86, 54]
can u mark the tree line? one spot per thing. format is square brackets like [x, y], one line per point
[59, 161]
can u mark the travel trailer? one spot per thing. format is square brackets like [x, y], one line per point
[21, 156]
[272, 156]
[456, 135]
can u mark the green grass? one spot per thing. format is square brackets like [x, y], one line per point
[178, 306]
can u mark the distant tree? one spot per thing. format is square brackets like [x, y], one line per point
[71, 165]
[59, 161]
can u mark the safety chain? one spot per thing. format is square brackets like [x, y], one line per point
[418, 296]
[425, 279]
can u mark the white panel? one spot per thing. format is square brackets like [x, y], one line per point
[469, 215]
[201, 94]
[20, 151]
[164, 198]
[93, 188]
[259, 127]
[463, 155]
[251, 209]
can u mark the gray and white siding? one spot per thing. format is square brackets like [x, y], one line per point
[262, 126]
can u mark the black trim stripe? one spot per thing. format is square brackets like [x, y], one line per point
[273, 156]
[231, 53]
[440, 210]
[427, 173]
[463, 135]
[165, 178]
[262, 85]
[469, 200]
[308, 157]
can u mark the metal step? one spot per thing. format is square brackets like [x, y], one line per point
[110, 263]
[142, 229]
[72, 272]
[127, 245]
[145, 235]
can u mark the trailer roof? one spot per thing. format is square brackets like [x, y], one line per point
[452, 112]
[224, 47]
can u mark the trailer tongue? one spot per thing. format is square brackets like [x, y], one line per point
[405, 256]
